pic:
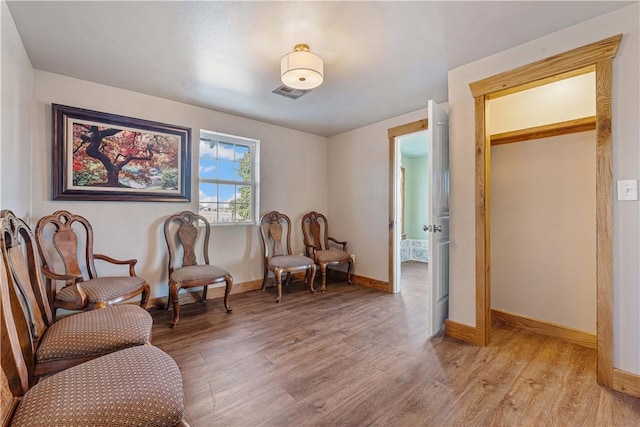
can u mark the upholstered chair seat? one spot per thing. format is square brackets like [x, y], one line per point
[102, 289]
[332, 255]
[193, 273]
[139, 386]
[290, 261]
[84, 336]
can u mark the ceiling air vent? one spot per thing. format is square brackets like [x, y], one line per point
[287, 92]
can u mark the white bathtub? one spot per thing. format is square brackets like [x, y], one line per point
[414, 250]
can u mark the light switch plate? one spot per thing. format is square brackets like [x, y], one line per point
[628, 189]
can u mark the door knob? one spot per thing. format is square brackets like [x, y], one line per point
[434, 228]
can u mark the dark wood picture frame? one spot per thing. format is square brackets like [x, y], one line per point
[99, 156]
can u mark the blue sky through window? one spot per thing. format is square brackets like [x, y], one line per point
[221, 185]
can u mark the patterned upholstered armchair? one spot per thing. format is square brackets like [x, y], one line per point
[73, 339]
[191, 231]
[140, 384]
[275, 229]
[60, 230]
[315, 229]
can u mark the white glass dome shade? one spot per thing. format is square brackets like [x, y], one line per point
[301, 69]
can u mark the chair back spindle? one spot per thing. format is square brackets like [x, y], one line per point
[17, 357]
[275, 232]
[24, 264]
[192, 235]
[66, 243]
[187, 234]
[315, 230]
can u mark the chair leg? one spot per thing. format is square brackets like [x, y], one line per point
[278, 274]
[227, 292]
[146, 290]
[204, 293]
[264, 279]
[311, 273]
[323, 271]
[350, 272]
[176, 304]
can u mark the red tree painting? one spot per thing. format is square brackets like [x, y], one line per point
[122, 158]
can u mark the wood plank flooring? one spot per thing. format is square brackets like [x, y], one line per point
[354, 356]
[413, 277]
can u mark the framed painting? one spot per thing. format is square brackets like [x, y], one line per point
[106, 157]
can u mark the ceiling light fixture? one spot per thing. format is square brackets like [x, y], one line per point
[301, 69]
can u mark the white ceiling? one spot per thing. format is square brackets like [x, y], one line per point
[381, 59]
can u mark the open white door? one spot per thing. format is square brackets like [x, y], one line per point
[438, 215]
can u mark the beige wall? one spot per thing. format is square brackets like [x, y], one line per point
[543, 207]
[542, 229]
[17, 95]
[560, 101]
[293, 177]
[626, 160]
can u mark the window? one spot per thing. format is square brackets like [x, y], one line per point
[229, 178]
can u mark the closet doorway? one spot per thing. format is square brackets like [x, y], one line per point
[597, 57]
[543, 149]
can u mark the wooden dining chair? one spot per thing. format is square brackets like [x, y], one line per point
[73, 339]
[322, 248]
[191, 233]
[60, 231]
[275, 230]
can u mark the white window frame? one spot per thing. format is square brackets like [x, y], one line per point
[254, 183]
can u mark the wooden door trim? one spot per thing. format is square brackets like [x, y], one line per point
[482, 179]
[604, 224]
[537, 73]
[599, 55]
[393, 133]
[545, 131]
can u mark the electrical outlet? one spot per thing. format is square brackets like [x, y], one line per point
[628, 189]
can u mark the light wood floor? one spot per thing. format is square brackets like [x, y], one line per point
[413, 277]
[355, 356]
